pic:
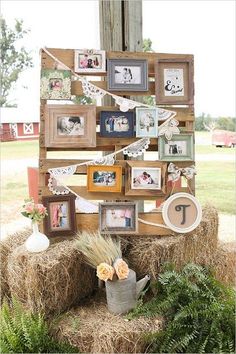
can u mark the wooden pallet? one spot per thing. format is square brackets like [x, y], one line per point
[185, 116]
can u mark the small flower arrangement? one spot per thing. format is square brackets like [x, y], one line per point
[33, 211]
[104, 254]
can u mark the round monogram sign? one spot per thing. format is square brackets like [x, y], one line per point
[182, 212]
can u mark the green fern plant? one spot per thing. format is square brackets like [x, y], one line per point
[199, 313]
[24, 332]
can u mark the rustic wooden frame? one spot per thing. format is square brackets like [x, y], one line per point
[167, 219]
[118, 230]
[70, 199]
[174, 63]
[78, 52]
[105, 189]
[145, 192]
[128, 134]
[113, 86]
[53, 139]
[138, 112]
[189, 156]
[50, 74]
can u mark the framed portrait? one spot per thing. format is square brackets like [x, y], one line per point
[179, 148]
[61, 219]
[116, 124]
[55, 84]
[118, 217]
[182, 212]
[89, 61]
[70, 126]
[104, 178]
[174, 81]
[127, 75]
[146, 122]
[145, 178]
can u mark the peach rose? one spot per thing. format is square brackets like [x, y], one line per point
[41, 208]
[121, 268]
[29, 208]
[105, 271]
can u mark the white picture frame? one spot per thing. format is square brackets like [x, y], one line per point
[89, 61]
[146, 122]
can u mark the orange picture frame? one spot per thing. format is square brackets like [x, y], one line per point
[104, 178]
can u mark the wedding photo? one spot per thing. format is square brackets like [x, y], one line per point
[55, 84]
[127, 75]
[146, 122]
[104, 178]
[117, 124]
[175, 148]
[70, 125]
[146, 178]
[118, 217]
[59, 215]
[89, 60]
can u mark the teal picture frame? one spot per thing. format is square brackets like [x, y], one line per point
[179, 148]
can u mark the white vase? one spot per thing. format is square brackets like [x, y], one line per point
[36, 242]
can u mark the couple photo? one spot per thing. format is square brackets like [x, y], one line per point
[146, 179]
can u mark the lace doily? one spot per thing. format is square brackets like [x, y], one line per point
[137, 148]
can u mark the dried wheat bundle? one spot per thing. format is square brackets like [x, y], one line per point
[98, 249]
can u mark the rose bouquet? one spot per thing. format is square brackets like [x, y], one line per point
[33, 211]
[104, 254]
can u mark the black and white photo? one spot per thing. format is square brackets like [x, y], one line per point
[146, 122]
[70, 125]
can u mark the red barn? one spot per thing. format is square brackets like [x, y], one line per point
[18, 124]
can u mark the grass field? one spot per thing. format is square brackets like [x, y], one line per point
[215, 181]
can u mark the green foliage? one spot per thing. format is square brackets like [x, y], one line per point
[206, 122]
[199, 313]
[147, 45]
[83, 100]
[24, 332]
[14, 59]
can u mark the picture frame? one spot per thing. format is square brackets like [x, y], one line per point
[146, 122]
[104, 178]
[127, 74]
[70, 126]
[145, 178]
[89, 61]
[116, 124]
[55, 84]
[118, 218]
[174, 80]
[61, 218]
[182, 212]
[179, 148]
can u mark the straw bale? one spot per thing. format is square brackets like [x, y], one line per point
[6, 247]
[223, 263]
[146, 255]
[51, 281]
[92, 329]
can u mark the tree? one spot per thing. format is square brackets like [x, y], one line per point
[13, 60]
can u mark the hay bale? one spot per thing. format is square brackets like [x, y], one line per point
[223, 263]
[146, 255]
[92, 329]
[6, 247]
[51, 281]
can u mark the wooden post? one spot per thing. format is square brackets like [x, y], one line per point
[121, 30]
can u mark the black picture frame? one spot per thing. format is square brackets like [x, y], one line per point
[116, 128]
